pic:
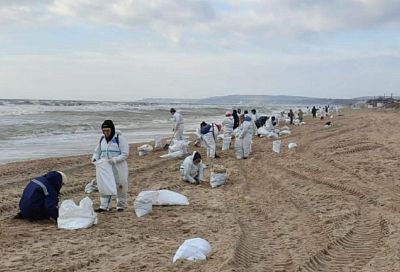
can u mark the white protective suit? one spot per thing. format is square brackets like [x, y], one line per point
[119, 153]
[228, 129]
[191, 172]
[269, 126]
[178, 126]
[209, 139]
[244, 139]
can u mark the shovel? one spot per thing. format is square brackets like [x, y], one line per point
[166, 146]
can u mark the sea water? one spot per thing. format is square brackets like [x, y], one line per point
[32, 129]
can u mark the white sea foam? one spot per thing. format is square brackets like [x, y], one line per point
[40, 128]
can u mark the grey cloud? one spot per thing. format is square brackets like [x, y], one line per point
[231, 18]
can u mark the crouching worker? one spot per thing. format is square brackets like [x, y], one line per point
[192, 169]
[40, 197]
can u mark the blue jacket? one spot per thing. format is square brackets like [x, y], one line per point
[40, 197]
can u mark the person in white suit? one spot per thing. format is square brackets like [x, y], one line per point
[114, 148]
[178, 126]
[244, 138]
[227, 124]
[192, 169]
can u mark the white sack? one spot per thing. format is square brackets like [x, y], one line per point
[217, 179]
[276, 146]
[193, 249]
[71, 216]
[262, 131]
[142, 206]
[105, 178]
[158, 143]
[284, 132]
[146, 199]
[145, 147]
[285, 128]
[273, 135]
[176, 154]
[91, 187]
[292, 145]
[180, 145]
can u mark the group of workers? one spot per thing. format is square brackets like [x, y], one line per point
[41, 196]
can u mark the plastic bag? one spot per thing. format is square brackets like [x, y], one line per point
[292, 145]
[158, 143]
[105, 178]
[71, 216]
[176, 154]
[276, 146]
[178, 146]
[144, 149]
[91, 187]
[217, 179]
[142, 206]
[193, 249]
[284, 132]
[146, 199]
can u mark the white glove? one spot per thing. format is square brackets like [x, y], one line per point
[112, 160]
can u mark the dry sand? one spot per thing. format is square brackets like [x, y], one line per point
[331, 205]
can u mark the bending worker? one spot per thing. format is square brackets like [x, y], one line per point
[228, 123]
[209, 133]
[114, 148]
[192, 169]
[40, 197]
[178, 124]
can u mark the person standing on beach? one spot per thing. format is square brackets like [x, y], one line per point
[291, 116]
[209, 133]
[114, 148]
[228, 124]
[300, 114]
[244, 138]
[314, 112]
[192, 169]
[40, 197]
[235, 119]
[178, 124]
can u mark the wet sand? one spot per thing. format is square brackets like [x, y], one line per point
[333, 204]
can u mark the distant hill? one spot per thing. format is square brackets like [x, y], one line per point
[256, 100]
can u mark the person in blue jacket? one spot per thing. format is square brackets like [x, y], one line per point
[40, 197]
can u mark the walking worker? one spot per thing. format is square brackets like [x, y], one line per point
[244, 138]
[192, 169]
[291, 116]
[40, 197]
[178, 124]
[300, 114]
[227, 123]
[209, 133]
[114, 148]
[314, 112]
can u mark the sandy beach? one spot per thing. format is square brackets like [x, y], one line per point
[333, 204]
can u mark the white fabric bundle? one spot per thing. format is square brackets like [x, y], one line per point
[276, 146]
[105, 178]
[146, 199]
[71, 216]
[193, 249]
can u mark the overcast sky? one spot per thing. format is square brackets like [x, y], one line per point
[131, 49]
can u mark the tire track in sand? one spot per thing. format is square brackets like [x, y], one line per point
[352, 251]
